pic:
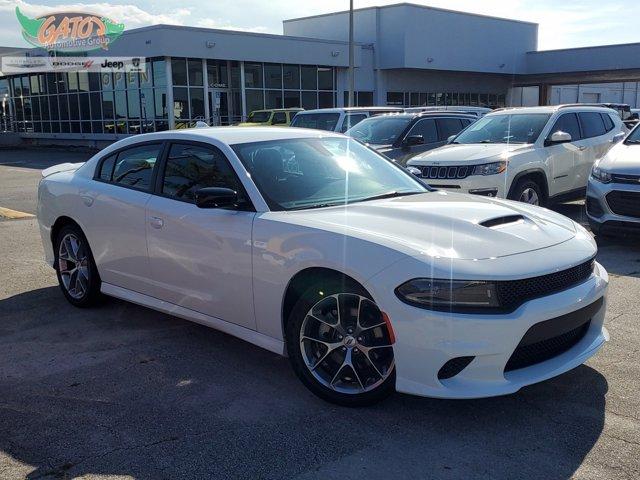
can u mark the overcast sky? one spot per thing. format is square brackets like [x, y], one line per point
[570, 23]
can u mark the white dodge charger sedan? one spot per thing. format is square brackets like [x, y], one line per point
[312, 245]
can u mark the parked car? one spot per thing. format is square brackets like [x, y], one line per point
[401, 136]
[278, 116]
[315, 246]
[535, 155]
[337, 119]
[613, 193]
[475, 111]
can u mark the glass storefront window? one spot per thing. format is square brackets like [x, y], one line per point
[235, 75]
[132, 80]
[272, 75]
[195, 72]
[159, 73]
[309, 77]
[253, 75]
[181, 103]
[63, 103]
[72, 82]
[197, 102]
[107, 81]
[120, 104]
[108, 108]
[83, 81]
[85, 109]
[291, 99]
[255, 100]
[119, 81]
[325, 78]
[325, 99]
[96, 110]
[94, 82]
[309, 100]
[291, 77]
[217, 74]
[35, 85]
[133, 103]
[179, 71]
[160, 97]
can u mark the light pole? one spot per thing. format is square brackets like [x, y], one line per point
[351, 52]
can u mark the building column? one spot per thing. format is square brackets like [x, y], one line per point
[243, 98]
[205, 83]
[544, 92]
[170, 111]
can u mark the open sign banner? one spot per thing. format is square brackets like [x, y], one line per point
[69, 31]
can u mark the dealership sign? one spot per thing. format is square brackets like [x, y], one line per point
[69, 31]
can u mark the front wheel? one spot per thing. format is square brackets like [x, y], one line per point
[528, 191]
[76, 270]
[341, 346]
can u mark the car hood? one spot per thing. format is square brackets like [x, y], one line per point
[474, 153]
[623, 159]
[253, 124]
[443, 224]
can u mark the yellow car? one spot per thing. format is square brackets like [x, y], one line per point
[279, 116]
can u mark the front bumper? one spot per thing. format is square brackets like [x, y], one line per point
[426, 340]
[601, 217]
[487, 185]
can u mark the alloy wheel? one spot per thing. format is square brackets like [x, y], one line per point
[73, 265]
[530, 196]
[346, 344]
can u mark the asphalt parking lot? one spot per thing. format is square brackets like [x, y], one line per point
[124, 392]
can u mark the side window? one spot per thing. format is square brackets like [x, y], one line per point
[608, 123]
[448, 127]
[351, 120]
[427, 128]
[592, 124]
[568, 123]
[466, 122]
[192, 167]
[106, 168]
[279, 118]
[134, 166]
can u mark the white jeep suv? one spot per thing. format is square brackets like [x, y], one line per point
[535, 154]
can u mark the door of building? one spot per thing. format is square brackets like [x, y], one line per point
[219, 108]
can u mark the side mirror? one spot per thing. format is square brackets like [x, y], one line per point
[559, 137]
[451, 138]
[216, 197]
[413, 140]
[618, 137]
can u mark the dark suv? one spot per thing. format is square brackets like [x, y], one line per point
[400, 136]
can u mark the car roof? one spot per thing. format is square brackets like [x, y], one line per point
[552, 109]
[442, 114]
[278, 110]
[353, 109]
[236, 135]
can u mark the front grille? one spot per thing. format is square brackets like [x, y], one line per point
[626, 179]
[550, 338]
[513, 293]
[445, 173]
[594, 208]
[624, 203]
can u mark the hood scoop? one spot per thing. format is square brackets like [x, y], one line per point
[500, 221]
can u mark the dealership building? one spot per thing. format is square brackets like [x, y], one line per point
[405, 55]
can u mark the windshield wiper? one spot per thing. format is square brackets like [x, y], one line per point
[634, 142]
[388, 195]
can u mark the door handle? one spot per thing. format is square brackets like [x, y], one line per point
[582, 148]
[156, 222]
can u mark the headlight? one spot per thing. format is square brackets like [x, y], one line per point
[490, 168]
[449, 295]
[415, 171]
[600, 174]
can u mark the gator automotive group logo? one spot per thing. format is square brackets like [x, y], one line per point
[69, 31]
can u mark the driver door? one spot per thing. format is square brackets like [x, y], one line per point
[562, 157]
[200, 258]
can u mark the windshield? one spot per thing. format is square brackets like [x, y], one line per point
[319, 172]
[259, 117]
[520, 128]
[634, 136]
[379, 130]
[320, 121]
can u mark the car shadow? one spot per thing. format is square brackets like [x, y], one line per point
[123, 390]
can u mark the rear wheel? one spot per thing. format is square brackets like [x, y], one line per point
[528, 191]
[340, 345]
[76, 270]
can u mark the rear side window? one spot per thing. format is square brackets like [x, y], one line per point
[279, 118]
[608, 123]
[427, 128]
[192, 167]
[320, 121]
[592, 124]
[448, 127]
[134, 166]
[568, 123]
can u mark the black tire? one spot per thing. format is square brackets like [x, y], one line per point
[294, 325]
[91, 295]
[525, 184]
